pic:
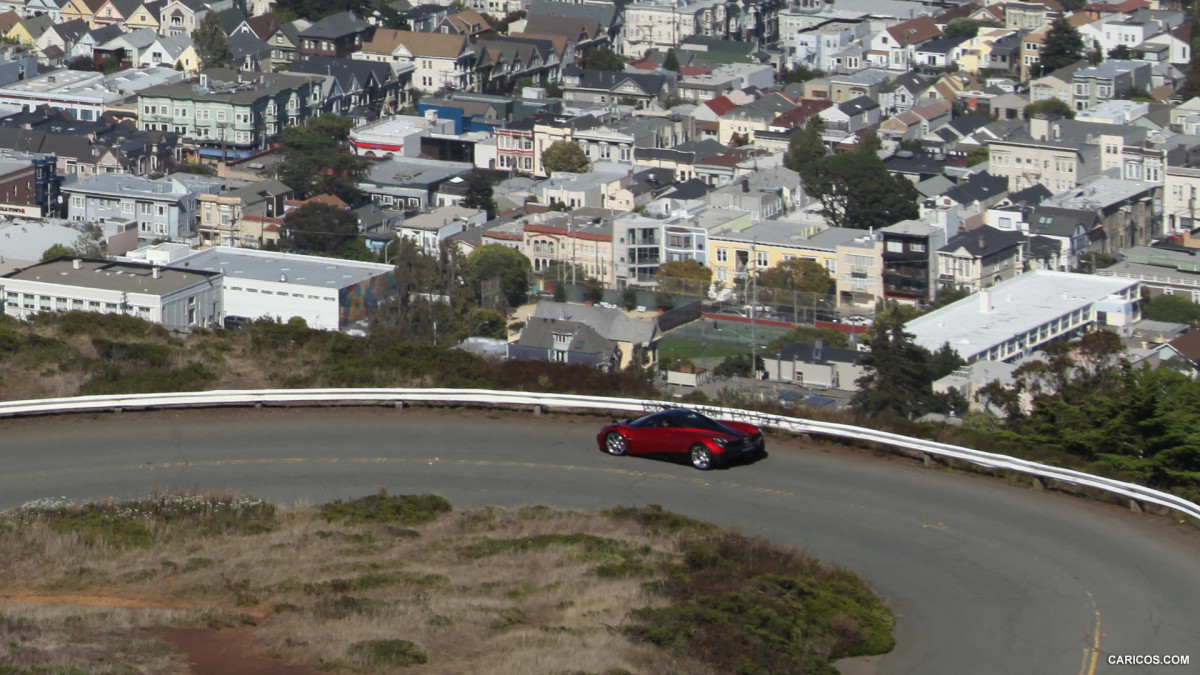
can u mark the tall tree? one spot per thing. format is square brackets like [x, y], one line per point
[493, 261]
[805, 145]
[1191, 82]
[897, 379]
[671, 62]
[479, 193]
[317, 159]
[564, 156]
[603, 58]
[212, 44]
[804, 276]
[1062, 47]
[322, 229]
[856, 190]
[1050, 106]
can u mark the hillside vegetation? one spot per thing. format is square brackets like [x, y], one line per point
[383, 583]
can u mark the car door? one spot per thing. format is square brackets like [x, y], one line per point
[652, 438]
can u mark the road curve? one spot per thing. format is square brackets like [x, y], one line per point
[983, 577]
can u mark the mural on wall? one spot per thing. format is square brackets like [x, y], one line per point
[355, 301]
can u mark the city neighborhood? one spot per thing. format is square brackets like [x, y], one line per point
[1011, 174]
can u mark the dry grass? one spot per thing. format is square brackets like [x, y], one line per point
[316, 588]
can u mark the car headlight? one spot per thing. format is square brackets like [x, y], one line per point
[721, 442]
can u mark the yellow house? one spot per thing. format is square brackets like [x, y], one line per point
[143, 17]
[81, 9]
[975, 54]
[30, 29]
[544, 136]
[735, 256]
[188, 60]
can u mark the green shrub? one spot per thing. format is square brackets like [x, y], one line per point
[395, 653]
[654, 518]
[381, 508]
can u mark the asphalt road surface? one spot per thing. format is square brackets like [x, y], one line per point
[983, 577]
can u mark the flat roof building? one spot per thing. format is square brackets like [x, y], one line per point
[1021, 315]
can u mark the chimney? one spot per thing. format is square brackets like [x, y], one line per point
[745, 185]
[77, 264]
[982, 242]
[283, 278]
[156, 272]
[985, 301]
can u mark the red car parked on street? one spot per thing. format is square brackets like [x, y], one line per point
[681, 432]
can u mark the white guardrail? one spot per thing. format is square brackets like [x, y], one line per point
[1136, 493]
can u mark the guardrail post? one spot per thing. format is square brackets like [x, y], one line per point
[400, 405]
[537, 410]
[1037, 483]
[258, 404]
[1135, 506]
[928, 459]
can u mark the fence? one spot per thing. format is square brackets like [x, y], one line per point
[1137, 494]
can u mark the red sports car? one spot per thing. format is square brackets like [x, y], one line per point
[705, 441]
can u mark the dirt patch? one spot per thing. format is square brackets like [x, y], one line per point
[228, 651]
[27, 597]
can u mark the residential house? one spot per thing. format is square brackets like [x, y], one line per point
[815, 365]
[760, 194]
[972, 197]
[1038, 156]
[146, 15]
[163, 208]
[562, 341]
[1111, 79]
[80, 9]
[425, 18]
[658, 25]
[893, 47]
[1058, 84]
[85, 46]
[115, 13]
[917, 122]
[847, 118]
[566, 239]
[58, 40]
[606, 87]
[975, 54]
[815, 47]
[742, 122]
[440, 60]
[1129, 211]
[243, 217]
[505, 60]
[30, 29]
[932, 57]
[228, 113]
[250, 54]
[1030, 16]
[50, 8]
[1067, 226]
[979, 258]
[859, 269]
[910, 254]
[901, 93]
[129, 49]
[467, 22]
[355, 87]
[338, 35]
[182, 16]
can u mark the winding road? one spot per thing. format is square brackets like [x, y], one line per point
[983, 577]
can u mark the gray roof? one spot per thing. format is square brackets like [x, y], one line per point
[252, 90]
[979, 186]
[612, 324]
[539, 332]
[303, 270]
[796, 351]
[113, 276]
[983, 241]
[335, 26]
[607, 13]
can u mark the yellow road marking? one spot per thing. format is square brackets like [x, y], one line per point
[1091, 655]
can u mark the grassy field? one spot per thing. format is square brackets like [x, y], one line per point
[383, 583]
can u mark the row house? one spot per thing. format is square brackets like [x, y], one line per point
[1029, 16]
[1038, 157]
[1119, 29]
[893, 47]
[504, 60]
[242, 217]
[228, 113]
[355, 88]
[337, 35]
[740, 253]
[1129, 212]
[440, 61]
[742, 122]
[29, 185]
[980, 258]
[567, 239]
[660, 25]
[606, 87]
[981, 52]
[163, 208]
[1181, 199]
[910, 255]
[816, 47]
[1111, 79]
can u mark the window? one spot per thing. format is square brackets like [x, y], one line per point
[162, 210]
[895, 247]
[126, 207]
[916, 248]
[762, 259]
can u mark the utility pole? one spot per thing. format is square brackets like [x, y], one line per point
[754, 308]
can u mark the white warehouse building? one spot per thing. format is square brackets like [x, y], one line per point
[328, 293]
[1021, 315]
[175, 298]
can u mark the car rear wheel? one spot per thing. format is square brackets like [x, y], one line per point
[614, 444]
[701, 458]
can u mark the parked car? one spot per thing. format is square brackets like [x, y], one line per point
[680, 432]
[857, 321]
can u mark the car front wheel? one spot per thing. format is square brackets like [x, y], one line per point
[701, 457]
[614, 444]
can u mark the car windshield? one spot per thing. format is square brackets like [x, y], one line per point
[679, 419]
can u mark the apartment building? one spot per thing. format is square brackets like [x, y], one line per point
[226, 113]
[164, 208]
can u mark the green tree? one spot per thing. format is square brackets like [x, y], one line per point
[738, 364]
[805, 145]
[869, 142]
[684, 276]
[489, 323]
[322, 229]
[629, 299]
[856, 190]
[809, 335]
[603, 58]
[564, 156]
[671, 62]
[977, 155]
[593, 290]
[804, 276]
[801, 73]
[1172, 308]
[1050, 106]
[1062, 47]
[965, 27]
[1120, 52]
[56, 251]
[212, 44]
[897, 380]
[493, 261]
[317, 159]
[479, 193]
